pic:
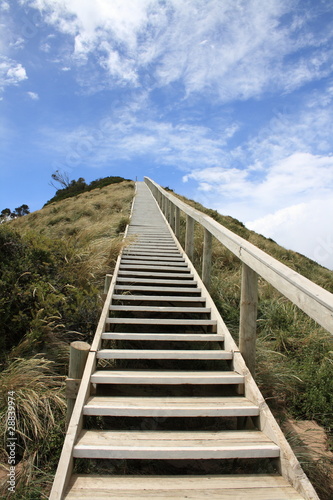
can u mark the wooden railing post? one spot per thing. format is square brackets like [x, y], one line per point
[77, 361]
[172, 216]
[107, 283]
[207, 258]
[189, 237]
[248, 317]
[177, 222]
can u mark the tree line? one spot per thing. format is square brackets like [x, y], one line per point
[7, 214]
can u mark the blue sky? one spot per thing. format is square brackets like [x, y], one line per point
[227, 102]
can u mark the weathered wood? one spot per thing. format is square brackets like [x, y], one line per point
[174, 445]
[248, 317]
[165, 337]
[77, 360]
[228, 487]
[189, 237]
[171, 406]
[177, 222]
[172, 216]
[165, 377]
[207, 258]
[311, 298]
[163, 354]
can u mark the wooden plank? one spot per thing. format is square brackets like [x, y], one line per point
[168, 289]
[161, 281]
[165, 377]
[136, 258]
[161, 309]
[163, 354]
[154, 274]
[170, 406]
[161, 321]
[175, 445]
[158, 298]
[151, 267]
[168, 337]
[151, 262]
[180, 487]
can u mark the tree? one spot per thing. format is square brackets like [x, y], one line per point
[62, 178]
[22, 210]
[6, 212]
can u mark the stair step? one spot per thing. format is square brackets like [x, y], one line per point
[163, 354]
[161, 309]
[149, 264]
[148, 253]
[154, 274]
[148, 267]
[159, 298]
[170, 407]
[160, 281]
[174, 445]
[151, 258]
[161, 321]
[163, 377]
[226, 487]
[168, 337]
[158, 289]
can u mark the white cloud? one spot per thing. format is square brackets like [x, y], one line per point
[33, 95]
[207, 45]
[304, 228]
[11, 72]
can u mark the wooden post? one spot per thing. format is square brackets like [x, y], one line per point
[107, 283]
[207, 258]
[77, 360]
[248, 317]
[177, 222]
[189, 237]
[172, 216]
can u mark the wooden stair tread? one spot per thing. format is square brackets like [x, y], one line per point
[172, 377]
[235, 487]
[158, 298]
[162, 309]
[159, 281]
[153, 274]
[161, 321]
[174, 444]
[158, 289]
[170, 406]
[183, 337]
[163, 354]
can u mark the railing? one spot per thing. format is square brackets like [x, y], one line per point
[311, 298]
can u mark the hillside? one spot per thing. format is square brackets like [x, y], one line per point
[53, 262]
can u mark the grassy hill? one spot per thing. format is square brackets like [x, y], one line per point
[52, 265]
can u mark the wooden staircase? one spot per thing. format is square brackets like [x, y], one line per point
[166, 390]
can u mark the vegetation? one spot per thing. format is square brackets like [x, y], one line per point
[73, 188]
[7, 214]
[52, 265]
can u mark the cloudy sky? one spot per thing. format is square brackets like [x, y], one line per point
[229, 102]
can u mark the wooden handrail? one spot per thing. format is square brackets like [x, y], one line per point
[311, 298]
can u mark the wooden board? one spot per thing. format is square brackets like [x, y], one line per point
[174, 445]
[165, 377]
[171, 406]
[163, 354]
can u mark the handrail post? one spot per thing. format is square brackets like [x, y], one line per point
[172, 216]
[207, 258]
[77, 361]
[177, 222]
[189, 237]
[248, 317]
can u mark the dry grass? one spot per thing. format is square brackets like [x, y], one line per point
[39, 403]
[91, 222]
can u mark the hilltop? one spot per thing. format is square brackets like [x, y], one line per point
[53, 262]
